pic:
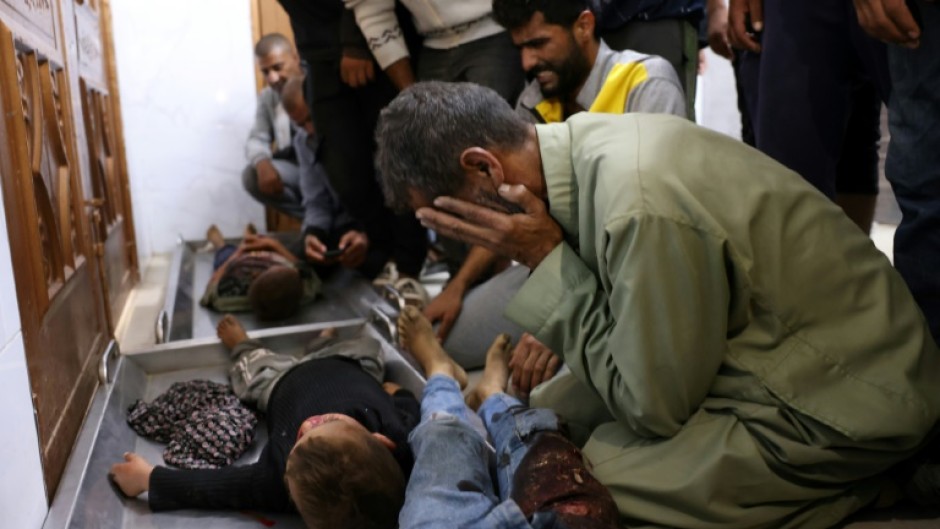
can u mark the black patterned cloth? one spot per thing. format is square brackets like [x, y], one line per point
[203, 424]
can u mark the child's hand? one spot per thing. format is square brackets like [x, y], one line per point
[390, 387]
[133, 476]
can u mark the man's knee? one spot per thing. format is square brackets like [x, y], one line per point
[250, 180]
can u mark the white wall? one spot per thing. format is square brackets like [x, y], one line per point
[22, 493]
[186, 76]
[716, 97]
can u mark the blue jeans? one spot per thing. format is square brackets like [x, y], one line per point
[913, 163]
[222, 255]
[451, 485]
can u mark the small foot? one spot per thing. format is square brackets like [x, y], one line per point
[214, 236]
[231, 332]
[417, 335]
[495, 374]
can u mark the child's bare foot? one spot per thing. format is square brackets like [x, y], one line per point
[495, 374]
[250, 229]
[417, 335]
[230, 331]
[214, 236]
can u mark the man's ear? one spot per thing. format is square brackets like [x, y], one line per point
[388, 443]
[584, 26]
[478, 162]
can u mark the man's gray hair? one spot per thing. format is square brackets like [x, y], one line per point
[271, 42]
[422, 133]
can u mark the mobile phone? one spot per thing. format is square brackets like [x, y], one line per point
[335, 252]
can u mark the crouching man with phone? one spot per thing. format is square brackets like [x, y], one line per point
[331, 235]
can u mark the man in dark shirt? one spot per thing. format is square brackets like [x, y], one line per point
[345, 95]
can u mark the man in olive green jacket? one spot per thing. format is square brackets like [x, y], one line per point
[758, 362]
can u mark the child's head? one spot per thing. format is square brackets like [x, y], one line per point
[340, 475]
[275, 294]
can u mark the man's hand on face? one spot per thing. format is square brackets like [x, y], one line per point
[737, 18]
[532, 363]
[526, 237]
[269, 181]
[889, 20]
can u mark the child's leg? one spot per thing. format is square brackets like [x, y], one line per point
[451, 485]
[509, 423]
[417, 336]
[214, 236]
[254, 370]
[231, 332]
[537, 468]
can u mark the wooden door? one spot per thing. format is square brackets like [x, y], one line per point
[58, 280]
[106, 185]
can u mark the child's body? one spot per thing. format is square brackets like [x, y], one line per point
[285, 281]
[332, 393]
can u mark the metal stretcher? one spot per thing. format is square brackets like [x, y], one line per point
[87, 500]
[345, 295]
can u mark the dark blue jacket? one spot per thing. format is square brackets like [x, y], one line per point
[612, 14]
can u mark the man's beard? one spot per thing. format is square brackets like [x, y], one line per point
[571, 73]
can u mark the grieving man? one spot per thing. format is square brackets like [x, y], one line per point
[570, 70]
[742, 353]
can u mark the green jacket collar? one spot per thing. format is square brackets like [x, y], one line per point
[560, 183]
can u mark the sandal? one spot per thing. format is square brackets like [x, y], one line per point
[387, 277]
[413, 292]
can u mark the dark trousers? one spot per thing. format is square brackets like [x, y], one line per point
[913, 164]
[345, 120]
[817, 71]
[491, 61]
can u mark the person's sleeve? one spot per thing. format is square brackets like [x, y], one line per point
[408, 408]
[379, 25]
[258, 146]
[254, 486]
[651, 342]
[351, 37]
[660, 93]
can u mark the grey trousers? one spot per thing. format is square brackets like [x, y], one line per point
[482, 318]
[673, 39]
[290, 201]
[491, 61]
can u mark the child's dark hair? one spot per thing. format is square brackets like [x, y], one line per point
[275, 294]
[513, 14]
[343, 484]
